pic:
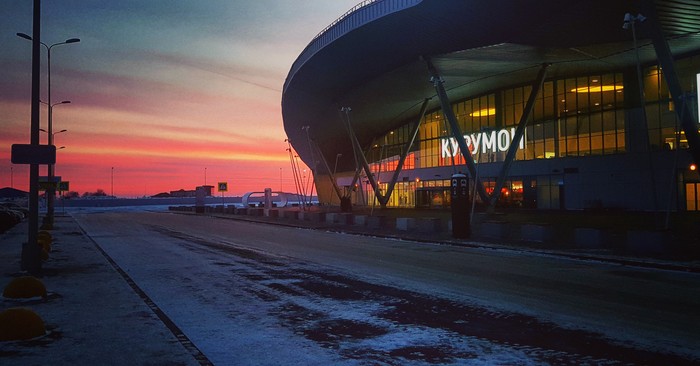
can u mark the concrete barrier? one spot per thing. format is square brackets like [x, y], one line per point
[427, 225]
[405, 223]
[494, 229]
[540, 233]
[256, 211]
[420, 224]
[241, 211]
[272, 212]
[181, 208]
[360, 220]
[381, 222]
[343, 218]
[590, 238]
[290, 214]
[646, 241]
[315, 216]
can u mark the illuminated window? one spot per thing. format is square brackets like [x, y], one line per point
[697, 87]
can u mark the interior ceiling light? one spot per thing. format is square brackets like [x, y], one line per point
[597, 89]
[483, 112]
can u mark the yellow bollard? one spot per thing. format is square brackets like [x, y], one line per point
[25, 288]
[20, 324]
[43, 234]
[45, 244]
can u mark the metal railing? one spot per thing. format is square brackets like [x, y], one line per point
[340, 18]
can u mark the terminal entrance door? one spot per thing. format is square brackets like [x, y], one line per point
[692, 196]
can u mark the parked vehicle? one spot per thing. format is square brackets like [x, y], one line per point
[16, 207]
[11, 214]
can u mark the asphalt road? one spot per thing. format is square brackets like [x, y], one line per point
[364, 300]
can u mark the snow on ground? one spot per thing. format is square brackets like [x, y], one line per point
[253, 308]
[247, 307]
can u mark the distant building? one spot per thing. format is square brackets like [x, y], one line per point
[11, 193]
[191, 193]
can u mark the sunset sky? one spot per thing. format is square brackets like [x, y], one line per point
[162, 91]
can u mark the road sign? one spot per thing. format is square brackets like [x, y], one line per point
[45, 186]
[33, 154]
[46, 178]
[223, 186]
[46, 183]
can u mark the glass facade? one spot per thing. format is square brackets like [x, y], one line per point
[572, 117]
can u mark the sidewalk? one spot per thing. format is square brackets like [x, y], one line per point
[92, 315]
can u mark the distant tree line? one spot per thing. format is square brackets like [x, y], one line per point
[73, 194]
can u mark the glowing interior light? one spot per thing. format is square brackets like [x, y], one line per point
[483, 112]
[597, 89]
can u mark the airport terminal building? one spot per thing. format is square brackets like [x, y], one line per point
[543, 105]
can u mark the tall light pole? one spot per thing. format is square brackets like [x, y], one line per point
[51, 192]
[31, 260]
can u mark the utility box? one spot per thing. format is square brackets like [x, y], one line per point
[460, 206]
[199, 204]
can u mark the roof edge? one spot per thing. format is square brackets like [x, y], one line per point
[361, 14]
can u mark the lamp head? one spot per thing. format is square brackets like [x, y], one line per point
[627, 21]
[73, 40]
[25, 36]
[630, 19]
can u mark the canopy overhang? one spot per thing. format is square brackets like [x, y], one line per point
[377, 68]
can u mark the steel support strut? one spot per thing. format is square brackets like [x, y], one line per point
[328, 169]
[384, 199]
[519, 132]
[357, 149]
[360, 156]
[665, 57]
[454, 126]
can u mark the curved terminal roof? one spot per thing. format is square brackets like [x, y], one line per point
[371, 59]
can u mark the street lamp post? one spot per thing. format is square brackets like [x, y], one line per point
[333, 184]
[51, 192]
[52, 135]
